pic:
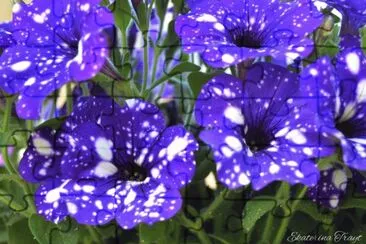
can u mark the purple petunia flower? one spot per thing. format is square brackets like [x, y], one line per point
[331, 187]
[56, 42]
[228, 32]
[334, 183]
[344, 107]
[260, 130]
[353, 14]
[6, 38]
[110, 162]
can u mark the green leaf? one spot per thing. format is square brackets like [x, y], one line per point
[313, 211]
[19, 233]
[141, 12]
[161, 7]
[52, 123]
[354, 202]
[254, 210]
[178, 5]
[302, 223]
[179, 69]
[184, 67]
[157, 233]
[122, 14]
[13, 178]
[197, 79]
[46, 232]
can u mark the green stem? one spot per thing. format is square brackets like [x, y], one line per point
[146, 62]
[156, 57]
[85, 89]
[8, 106]
[13, 171]
[283, 190]
[161, 90]
[194, 227]
[218, 239]
[284, 223]
[69, 98]
[219, 200]
[94, 234]
[155, 84]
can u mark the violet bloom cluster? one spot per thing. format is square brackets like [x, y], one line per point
[110, 162]
[260, 129]
[342, 84]
[229, 32]
[55, 42]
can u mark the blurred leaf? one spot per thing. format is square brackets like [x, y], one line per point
[254, 210]
[19, 233]
[46, 232]
[141, 12]
[313, 211]
[354, 202]
[196, 80]
[178, 5]
[122, 14]
[171, 41]
[161, 7]
[184, 67]
[302, 223]
[157, 233]
[52, 123]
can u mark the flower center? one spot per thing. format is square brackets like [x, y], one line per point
[133, 172]
[348, 128]
[244, 38]
[258, 139]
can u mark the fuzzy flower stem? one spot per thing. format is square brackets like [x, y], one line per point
[219, 200]
[194, 227]
[284, 223]
[269, 222]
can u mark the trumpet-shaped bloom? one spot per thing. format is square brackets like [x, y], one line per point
[55, 42]
[260, 129]
[110, 162]
[228, 32]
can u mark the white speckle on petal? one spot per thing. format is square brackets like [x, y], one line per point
[353, 63]
[176, 146]
[42, 146]
[103, 148]
[130, 197]
[334, 200]
[20, 66]
[219, 27]
[234, 114]
[234, 143]
[155, 172]
[206, 18]
[274, 168]
[243, 179]
[105, 169]
[30, 81]
[72, 208]
[339, 179]
[296, 136]
[227, 58]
